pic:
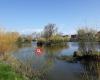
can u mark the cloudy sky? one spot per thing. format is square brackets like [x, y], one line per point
[27, 16]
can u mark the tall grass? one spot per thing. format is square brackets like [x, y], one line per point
[90, 70]
[7, 40]
[87, 40]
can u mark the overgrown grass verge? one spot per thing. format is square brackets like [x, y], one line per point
[7, 73]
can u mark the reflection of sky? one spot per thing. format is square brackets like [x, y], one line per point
[65, 71]
[29, 56]
[98, 47]
[58, 70]
[69, 51]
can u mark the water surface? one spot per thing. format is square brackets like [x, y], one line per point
[56, 69]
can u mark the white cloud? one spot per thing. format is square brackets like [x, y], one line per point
[25, 30]
[28, 31]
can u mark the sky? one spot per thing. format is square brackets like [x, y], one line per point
[27, 16]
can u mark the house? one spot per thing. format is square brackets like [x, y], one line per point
[98, 33]
[74, 37]
[98, 36]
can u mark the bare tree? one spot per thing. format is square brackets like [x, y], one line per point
[49, 30]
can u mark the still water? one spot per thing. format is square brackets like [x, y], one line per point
[57, 69]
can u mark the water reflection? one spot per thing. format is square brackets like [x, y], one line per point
[47, 63]
[98, 46]
[39, 63]
[90, 70]
[23, 45]
[55, 50]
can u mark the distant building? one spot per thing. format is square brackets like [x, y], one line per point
[74, 37]
[98, 36]
[98, 33]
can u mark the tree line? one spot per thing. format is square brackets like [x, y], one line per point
[49, 34]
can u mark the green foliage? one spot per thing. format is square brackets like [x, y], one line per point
[22, 39]
[41, 40]
[86, 35]
[7, 73]
[98, 36]
[86, 39]
[57, 39]
[51, 36]
[19, 40]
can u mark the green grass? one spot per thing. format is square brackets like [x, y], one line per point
[7, 73]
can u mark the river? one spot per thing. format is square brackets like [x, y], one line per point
[57, 69]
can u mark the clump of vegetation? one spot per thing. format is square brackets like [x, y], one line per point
[49, 31]
[24, 39]
[51, 36]
[86, 35]
[43, 40]
[7, 73]
[87, 39]
[87, 51]
[98, 36]
[26, 71]
[58, 39]
[7, 40]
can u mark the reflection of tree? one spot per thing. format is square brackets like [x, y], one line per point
[23, 45]
[87, 46]
[55, 49]
[49, 58]
[52, 52]
[74, 44]
[90, 70]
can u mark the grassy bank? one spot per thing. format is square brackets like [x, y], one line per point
[7, 73]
